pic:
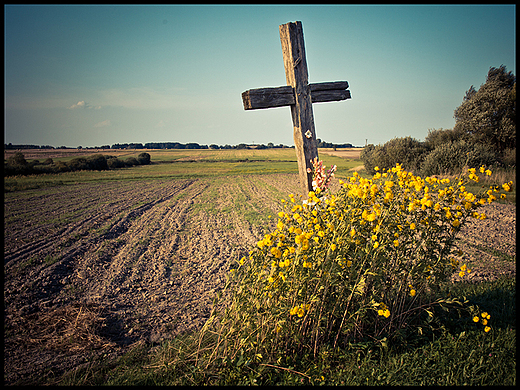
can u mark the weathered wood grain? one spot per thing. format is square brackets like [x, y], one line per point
[268, 97]
[304, 134]
[299, 95]
[259, 98]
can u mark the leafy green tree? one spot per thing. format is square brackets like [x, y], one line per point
[488, 115]
[439, 137]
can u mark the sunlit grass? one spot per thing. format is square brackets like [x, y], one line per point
[458, 354]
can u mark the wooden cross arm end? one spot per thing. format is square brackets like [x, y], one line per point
[284, 96]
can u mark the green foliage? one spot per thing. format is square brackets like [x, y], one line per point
[439, 137]
[368, 262]
[144, 158]
[452, 156]
[406, 151]
[485, 128]
[114, 163]
[131, 161]
[17, 165]
[488, 115]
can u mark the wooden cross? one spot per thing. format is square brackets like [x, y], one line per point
[299, 95]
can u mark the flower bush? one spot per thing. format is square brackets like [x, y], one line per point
[363, 262]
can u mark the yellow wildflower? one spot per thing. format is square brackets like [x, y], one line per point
[276, 252]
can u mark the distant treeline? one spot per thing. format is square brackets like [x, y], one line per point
[176, 145]
[18, 165]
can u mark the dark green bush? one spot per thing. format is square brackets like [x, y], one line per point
[451, 157]
[406, 151]
[78, 164]
[508, 157]
[18, 165]
[97, 162]
[144, 158]
[372, 156]
[114, 163]
[131, 161]
[438, 137]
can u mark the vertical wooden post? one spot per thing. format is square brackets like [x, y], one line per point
[295, 63]
[300, 95]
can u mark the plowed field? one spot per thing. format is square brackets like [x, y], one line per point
[93, 268]
[143, 259]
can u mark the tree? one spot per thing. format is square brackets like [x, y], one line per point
[439, 137]
[488, 115]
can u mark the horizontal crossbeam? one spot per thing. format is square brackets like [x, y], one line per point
[284, 96]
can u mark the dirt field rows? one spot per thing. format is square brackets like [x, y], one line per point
[144, 260]
[95, 268]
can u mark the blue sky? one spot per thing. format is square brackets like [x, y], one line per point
[98, 75]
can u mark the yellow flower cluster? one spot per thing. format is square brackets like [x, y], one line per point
[300, 310]
[484, 320]
[394, 227]
[383, 310]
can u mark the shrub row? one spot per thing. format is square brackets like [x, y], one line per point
[18, 165]
[443, 152]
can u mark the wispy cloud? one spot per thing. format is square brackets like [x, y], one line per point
[103, 124]
[82, 104]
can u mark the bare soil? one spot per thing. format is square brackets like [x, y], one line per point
[91, 270]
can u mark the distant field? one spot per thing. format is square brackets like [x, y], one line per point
[180, 164]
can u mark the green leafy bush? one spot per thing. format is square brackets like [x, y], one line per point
[144, 158]
[451, 157]
[366, 262]
[17, 165]
[439, 137]
[406, 151]
[114, 163]
[97, 162]
[131, 161]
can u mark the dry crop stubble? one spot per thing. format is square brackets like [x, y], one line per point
[146, 258]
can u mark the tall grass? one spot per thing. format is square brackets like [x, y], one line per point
[456, 353]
